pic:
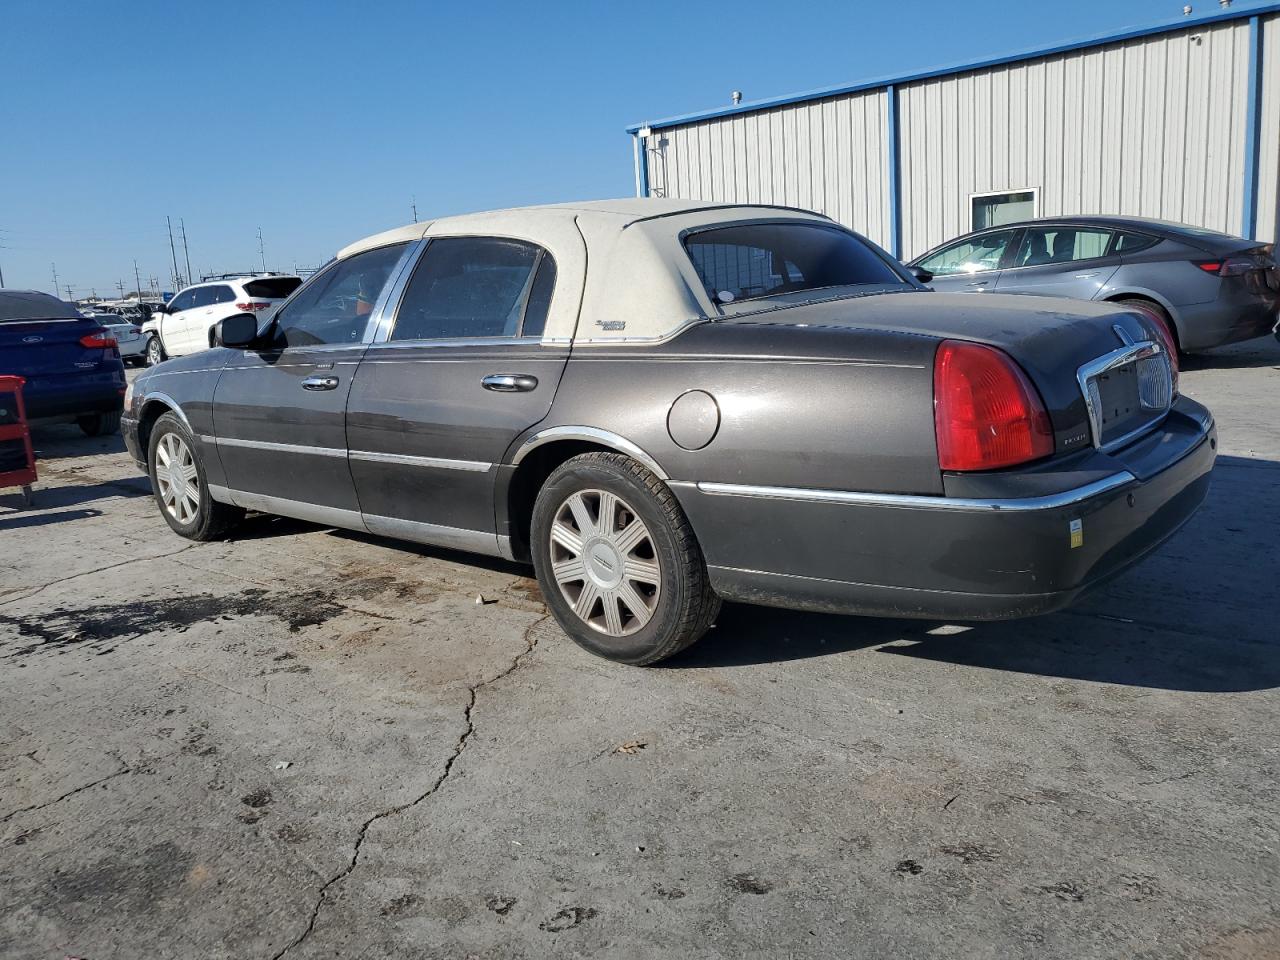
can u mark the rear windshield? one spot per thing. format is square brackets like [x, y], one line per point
[272, 288]
[16, 306]
[767, 259]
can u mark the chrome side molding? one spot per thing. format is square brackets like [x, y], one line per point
[594, 435]
[1050, 501]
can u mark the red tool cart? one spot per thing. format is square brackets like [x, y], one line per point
[17, 459]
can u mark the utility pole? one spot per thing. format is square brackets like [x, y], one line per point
[137, 281]
[262, 253]
[413, 202]
[55, 278]
[120, 287]
[173, 253]
[68, 289]
[185, 252]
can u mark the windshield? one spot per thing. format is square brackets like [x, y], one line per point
[757, 260]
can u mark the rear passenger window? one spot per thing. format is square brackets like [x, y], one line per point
[1049, 245]
[223, 294]
[467, 287]
[1133, 242]
[535, 312]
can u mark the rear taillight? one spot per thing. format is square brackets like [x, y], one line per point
[986, 412]
[1230, 267]
[251, 306]
[98, 339]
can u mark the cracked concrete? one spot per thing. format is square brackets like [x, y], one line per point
[305, 743]
[461, 745]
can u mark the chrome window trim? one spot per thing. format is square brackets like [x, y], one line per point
[592, 434]
[384, 311]
[1050, 501]
[1109, 361]
[373, 456]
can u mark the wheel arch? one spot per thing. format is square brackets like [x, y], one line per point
[154, 406]
[1136, 293]
[534, 460]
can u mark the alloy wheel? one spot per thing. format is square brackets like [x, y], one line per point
[604, 560]
[154, 352]
[177, 478]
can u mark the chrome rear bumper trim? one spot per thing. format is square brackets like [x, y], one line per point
[1050, 501]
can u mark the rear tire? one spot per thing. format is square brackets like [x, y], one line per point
[618, 563]
[97, 424]
[179, 485]
[1161, 315]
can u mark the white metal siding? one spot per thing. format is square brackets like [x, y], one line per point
[1151, 127]
[827, 155]
[1269, 141]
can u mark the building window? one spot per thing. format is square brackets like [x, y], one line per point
[994, 209]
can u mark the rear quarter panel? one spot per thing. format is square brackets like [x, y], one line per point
[798, 406]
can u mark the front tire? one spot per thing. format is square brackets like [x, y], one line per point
[155, 351]
[617, 561]
[98, 424]
[179, 485]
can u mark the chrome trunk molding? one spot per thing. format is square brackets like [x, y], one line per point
[1131, 352]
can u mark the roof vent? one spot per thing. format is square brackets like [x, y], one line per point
[737, 97]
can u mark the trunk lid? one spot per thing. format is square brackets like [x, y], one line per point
[48, 348]
[1051, 338]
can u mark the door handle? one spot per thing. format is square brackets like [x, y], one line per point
[320, 383]
[510, 382]
[978, 283]
[1086, 276]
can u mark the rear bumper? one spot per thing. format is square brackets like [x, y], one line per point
[1215, 324]
[948, 557]
[99, 393]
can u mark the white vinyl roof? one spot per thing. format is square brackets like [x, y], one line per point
[641, 285]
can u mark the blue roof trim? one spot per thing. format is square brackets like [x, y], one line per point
[1164, 26]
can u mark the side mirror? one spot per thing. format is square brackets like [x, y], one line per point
[239, 330]
[159, 308]
[921, 274]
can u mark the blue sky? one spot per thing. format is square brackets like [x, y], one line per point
[318, 121]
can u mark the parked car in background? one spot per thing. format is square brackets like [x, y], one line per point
[71, 362]
[1209, 288]
[130, 339]
[186, 323]
[663, 403]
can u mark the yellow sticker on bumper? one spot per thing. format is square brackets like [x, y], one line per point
[1077, 533]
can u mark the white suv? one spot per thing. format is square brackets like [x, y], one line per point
[186, 324]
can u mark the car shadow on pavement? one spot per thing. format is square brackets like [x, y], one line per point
[1263, 352]
[50, 498]
[62, 440]
[1075, 645]
[18, 521]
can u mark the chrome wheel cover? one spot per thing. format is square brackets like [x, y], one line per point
[605, 563]
[153, 351]
[177, 478]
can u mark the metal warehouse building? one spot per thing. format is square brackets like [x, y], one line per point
[1178, 120]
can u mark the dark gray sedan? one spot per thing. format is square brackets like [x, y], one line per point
[661, 404]
[1209, 288]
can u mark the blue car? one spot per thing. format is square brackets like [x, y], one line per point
[71, 364]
